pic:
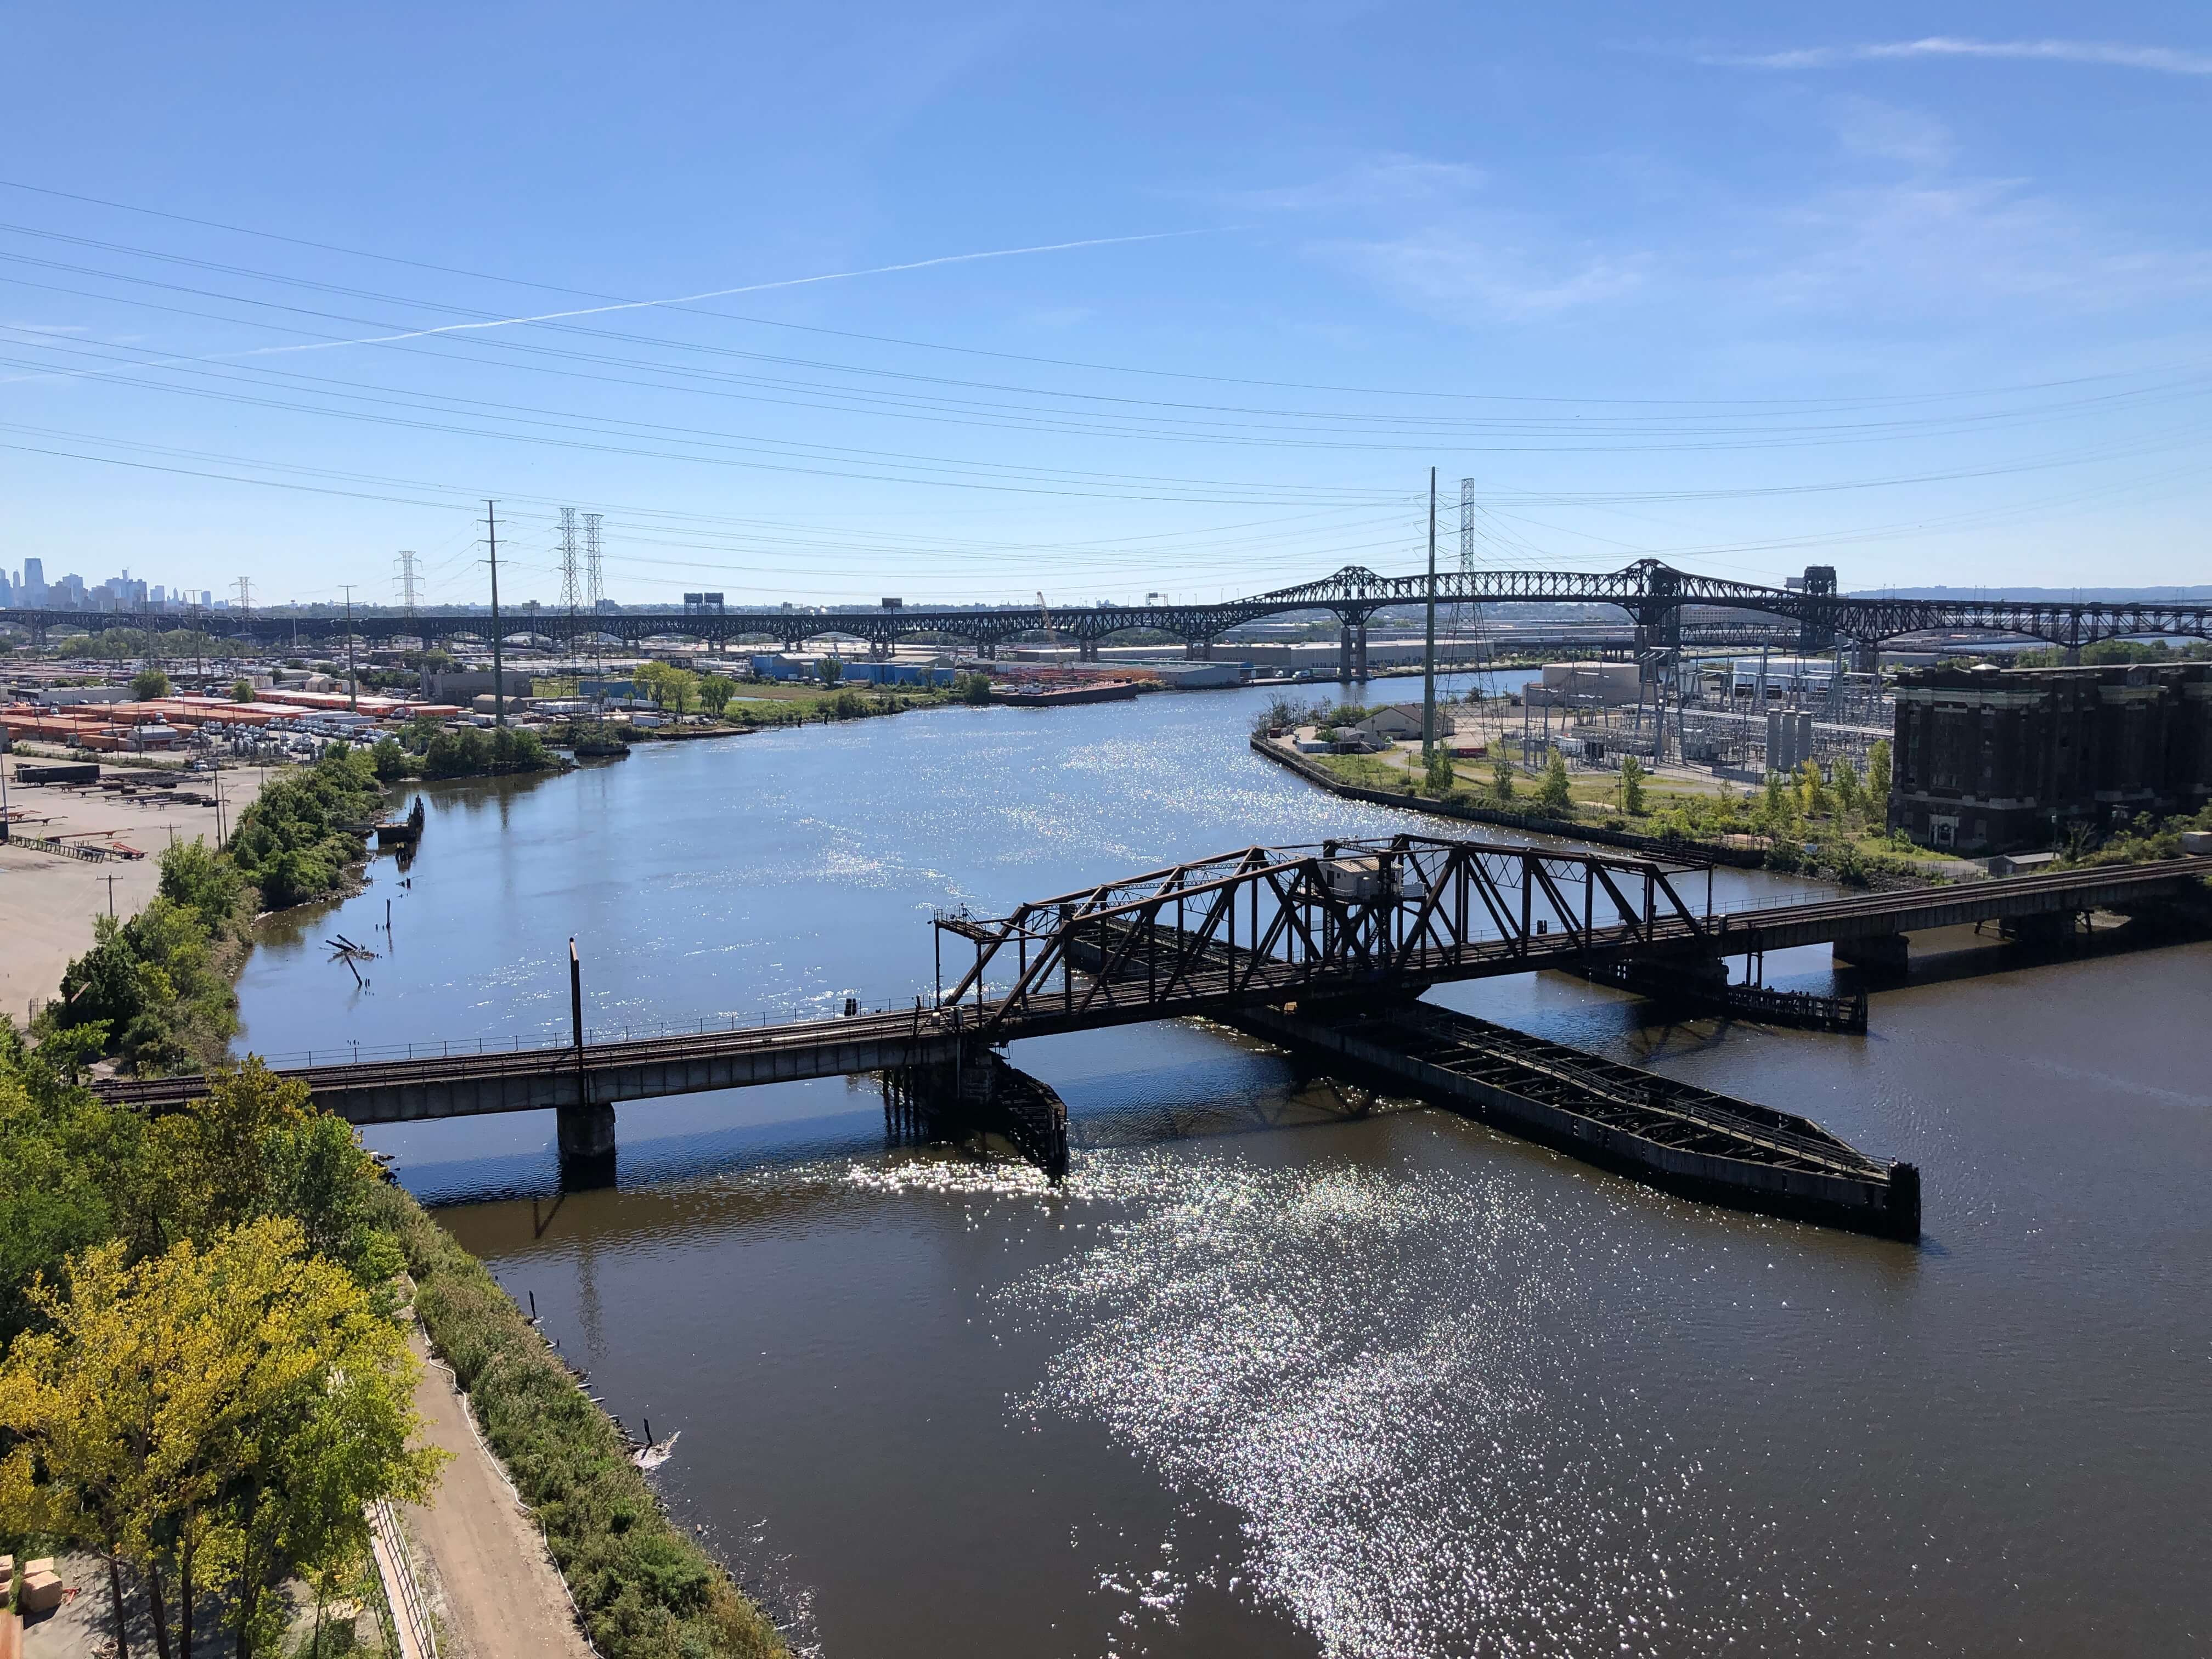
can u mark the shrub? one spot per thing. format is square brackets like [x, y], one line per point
[392, 761]
[296, 840]
[646, 1591]
[1553, 794]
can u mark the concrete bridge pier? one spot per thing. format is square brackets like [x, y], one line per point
[2053, 927]
[1086, 651]
[1875, 953]
[586, 1135]
[1344, 654]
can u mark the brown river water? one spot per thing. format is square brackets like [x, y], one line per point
[1274, 1372]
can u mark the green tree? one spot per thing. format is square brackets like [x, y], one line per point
[241, 690]
[714, 694]
[831, 671]
[1553, 794]
[973, 689]
[1501, 778]
[296, 838]
[391, 761]
[1440, 775]
[1877, 780]
[147, 684]
[1632, 785]
[218, 1412]
[1811, 790]
[1850, 794]
[457, 751]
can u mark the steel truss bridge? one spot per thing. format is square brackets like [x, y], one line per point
[1655, 596]
[1257, 928]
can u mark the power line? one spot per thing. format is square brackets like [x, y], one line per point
[1011, 356]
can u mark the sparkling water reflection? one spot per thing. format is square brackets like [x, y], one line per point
[1283, 1368]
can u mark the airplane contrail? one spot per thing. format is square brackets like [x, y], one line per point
[717, 293]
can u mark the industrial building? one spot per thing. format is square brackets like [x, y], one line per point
[1988, 759]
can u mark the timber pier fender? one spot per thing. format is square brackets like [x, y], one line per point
[1669, 1134]
[977, 1092]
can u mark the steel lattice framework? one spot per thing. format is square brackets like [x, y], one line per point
[1266, 923]
[1653, 595]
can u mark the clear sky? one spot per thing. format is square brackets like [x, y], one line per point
[1921, 292]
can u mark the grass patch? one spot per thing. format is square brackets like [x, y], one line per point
[647, 1591]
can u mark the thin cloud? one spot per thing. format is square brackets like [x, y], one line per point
[717, 293]
[2165, 60]
[1382, 180]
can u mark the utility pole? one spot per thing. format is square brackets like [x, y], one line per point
[1429, 653]
[352, 678]
[498, 679]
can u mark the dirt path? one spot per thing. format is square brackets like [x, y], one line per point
[503, 1599]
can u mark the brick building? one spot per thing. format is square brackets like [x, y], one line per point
[1988, 759]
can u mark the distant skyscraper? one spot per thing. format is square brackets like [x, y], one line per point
[35, 583]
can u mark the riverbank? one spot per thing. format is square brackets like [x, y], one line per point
[1742, 858]
[643, 1590]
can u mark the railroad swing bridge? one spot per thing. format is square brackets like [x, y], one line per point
[1323, 948]
[1653, 595]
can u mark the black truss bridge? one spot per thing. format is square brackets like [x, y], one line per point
[1654, 595]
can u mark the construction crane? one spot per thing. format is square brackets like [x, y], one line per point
[1046, 613]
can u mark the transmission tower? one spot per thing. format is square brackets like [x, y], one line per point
[1469, 613]
[571, 591]
[407, 586]
[594, 579]
[245, 586]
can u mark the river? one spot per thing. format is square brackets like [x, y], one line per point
[1271, 1373]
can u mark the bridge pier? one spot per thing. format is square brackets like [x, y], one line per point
[586, 1135]
[975, 1094]
[1877, 953]
[2052, 927]
[1087, 650]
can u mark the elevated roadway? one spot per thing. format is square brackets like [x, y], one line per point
[1653, 595]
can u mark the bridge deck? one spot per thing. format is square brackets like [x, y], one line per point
[530, 1080]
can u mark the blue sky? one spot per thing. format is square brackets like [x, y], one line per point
[1922, 293]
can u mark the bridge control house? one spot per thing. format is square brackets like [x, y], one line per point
[1991, 759]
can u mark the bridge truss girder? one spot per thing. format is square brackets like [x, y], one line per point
[1652, 594]
[1264, 924]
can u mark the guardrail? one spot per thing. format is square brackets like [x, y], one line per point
[410, 1615]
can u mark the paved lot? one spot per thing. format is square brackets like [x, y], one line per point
[47, 902]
